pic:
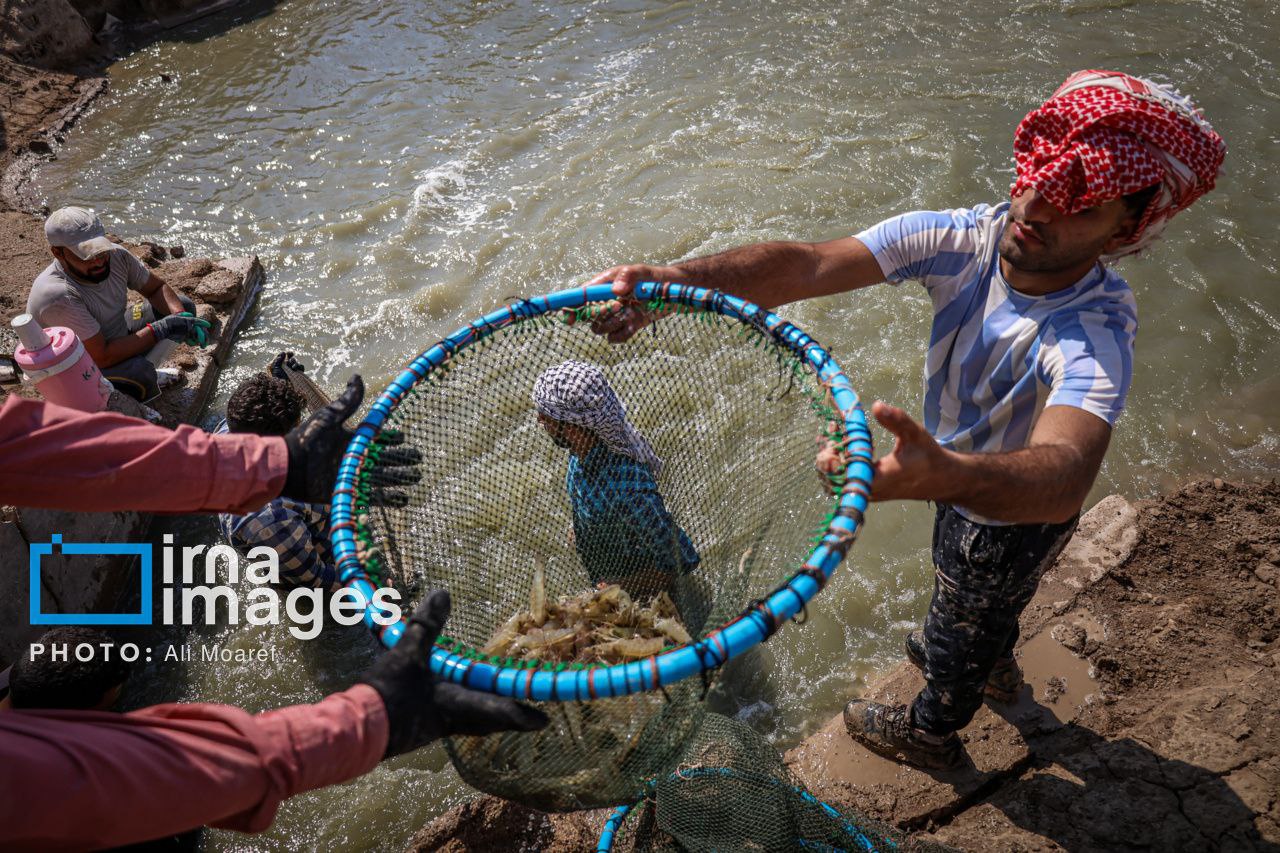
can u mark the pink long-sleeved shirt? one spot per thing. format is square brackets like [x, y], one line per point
[80, 780]
[83, 780]
[59, 458]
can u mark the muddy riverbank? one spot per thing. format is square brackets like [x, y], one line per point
[53, 60]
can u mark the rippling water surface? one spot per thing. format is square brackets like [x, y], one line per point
[403, 166]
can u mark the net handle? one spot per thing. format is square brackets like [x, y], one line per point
[611, 828]
[755, 625]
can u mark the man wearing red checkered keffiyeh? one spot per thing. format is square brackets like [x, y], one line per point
[1027, 368]
[1105, 135]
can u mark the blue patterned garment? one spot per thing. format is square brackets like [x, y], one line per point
[621, 526]
[998, 357]
[298, 532]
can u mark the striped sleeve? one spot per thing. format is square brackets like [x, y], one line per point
[1087, 361]
[925, 245]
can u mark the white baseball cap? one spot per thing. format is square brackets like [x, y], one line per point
[78, 229]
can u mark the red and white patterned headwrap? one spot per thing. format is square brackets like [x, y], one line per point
[1104, 135]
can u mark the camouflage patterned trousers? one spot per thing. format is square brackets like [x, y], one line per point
[984, 577]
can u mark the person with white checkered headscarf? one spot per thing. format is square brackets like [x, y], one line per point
[622, 529]
[577, 393]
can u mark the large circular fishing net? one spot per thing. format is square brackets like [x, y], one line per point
[730, 790]
[609, 520]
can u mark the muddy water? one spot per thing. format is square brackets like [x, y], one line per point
[402, 166]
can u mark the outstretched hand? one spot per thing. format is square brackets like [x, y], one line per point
[917, 467]
[317, 445]
[625, 316]
[283, 360]
[422, 708]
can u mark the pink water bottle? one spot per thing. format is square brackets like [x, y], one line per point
[56, 361]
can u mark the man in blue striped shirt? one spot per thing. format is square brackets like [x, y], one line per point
[1028, 366]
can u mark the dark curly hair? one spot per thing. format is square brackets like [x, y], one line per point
[264, 405]
[61, 681]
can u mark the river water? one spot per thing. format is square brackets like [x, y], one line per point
[402, 167]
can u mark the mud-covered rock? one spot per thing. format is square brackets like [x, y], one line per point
[220, 287]
[78, 34]
[204, 281]
[151, 254]
[185, 276]
[1072, 637]
[490, 823]
[44, 33]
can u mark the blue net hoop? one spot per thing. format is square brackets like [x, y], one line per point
[612, 826]
[753, 626]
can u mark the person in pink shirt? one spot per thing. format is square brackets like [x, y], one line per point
[84, 780]
[59, 458]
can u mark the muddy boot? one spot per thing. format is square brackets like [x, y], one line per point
[915, 649]
[1003, 684]
[887, 730]
[1005, 681]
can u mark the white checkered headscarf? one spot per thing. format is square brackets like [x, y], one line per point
[577, 393]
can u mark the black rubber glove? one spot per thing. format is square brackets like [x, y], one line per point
[390, 437]
[282, 360]
[422, 708]
[316, 447]
[178, 327]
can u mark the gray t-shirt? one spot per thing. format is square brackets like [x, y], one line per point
[58, 298]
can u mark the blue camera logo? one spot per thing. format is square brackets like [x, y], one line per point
[90, 549]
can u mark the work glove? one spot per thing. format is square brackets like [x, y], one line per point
[199, 336]
[316, 447]
[421, 707]
[283, 360]
[185, 328]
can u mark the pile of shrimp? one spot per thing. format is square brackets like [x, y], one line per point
[598, 626]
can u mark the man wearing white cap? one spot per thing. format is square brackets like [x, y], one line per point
[86, 289]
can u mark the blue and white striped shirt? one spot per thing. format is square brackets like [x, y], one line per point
[997, 357]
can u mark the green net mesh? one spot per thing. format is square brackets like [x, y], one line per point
[733, 418]
[731, 791]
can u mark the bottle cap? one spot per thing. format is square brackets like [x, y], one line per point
[29, 332]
